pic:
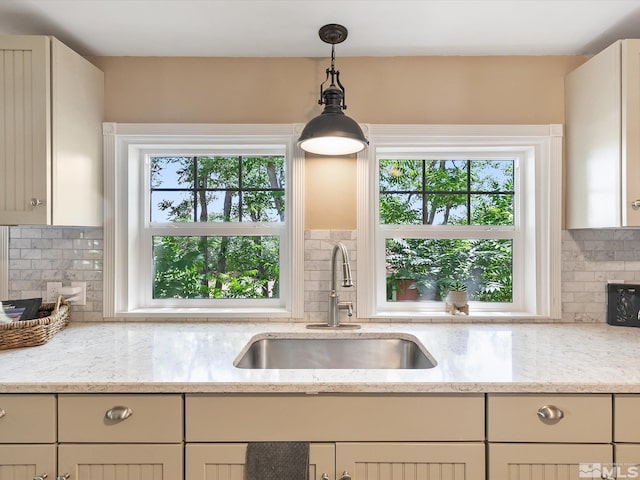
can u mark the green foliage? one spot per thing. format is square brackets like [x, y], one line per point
[217, 189]
[449, 192]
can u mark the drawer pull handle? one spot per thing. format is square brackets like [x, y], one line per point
[41, 477]
[550, 414]
[63, 477]
[119, 413]
[345, 476]
[2, 412]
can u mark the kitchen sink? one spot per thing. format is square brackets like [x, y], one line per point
[364, 351]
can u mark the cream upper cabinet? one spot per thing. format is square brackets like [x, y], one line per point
[602, 113]
[51, 110]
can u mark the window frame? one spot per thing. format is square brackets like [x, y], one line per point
[537, 150]
[129, 232]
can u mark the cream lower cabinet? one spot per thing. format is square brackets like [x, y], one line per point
[123, 437]
[626, 435]
[550, 437]
[121, 462]
[372, 437]
[27, 436]
[358, 460]
[226, 461]
[26, 462]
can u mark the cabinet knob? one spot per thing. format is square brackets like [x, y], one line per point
[119, 413]
[41, 477]
[36, 202]
[635, 204]
[2, 412]
[324, 476]
[345, 476]
[550, 414]
[63, 477]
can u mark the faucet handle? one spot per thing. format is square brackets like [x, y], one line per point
[348, 306]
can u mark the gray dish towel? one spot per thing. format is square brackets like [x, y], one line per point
[277, 461]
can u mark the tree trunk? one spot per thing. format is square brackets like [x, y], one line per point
[273, 182]
[224, 242]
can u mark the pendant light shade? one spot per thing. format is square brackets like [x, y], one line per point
[332, 132]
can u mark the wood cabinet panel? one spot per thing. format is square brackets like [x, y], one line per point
[51, 112]
[514, 418]
[24, 462]
[411, 461]
[124, 462]
[626, 426]
[226, 461]
[154, 418]
[334, 417]
[25, 127]
[28, 419]
[529, 461]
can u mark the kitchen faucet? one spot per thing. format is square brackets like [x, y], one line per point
[335, 305]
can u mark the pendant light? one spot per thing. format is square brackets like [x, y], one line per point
[332, 132]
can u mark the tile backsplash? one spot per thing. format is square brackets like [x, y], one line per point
[38, 255]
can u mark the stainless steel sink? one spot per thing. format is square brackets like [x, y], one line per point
[390, 351]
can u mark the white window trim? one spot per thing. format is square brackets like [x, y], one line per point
[122, 140]
[545, 141]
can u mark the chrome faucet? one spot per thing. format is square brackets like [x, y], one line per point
[335, 305]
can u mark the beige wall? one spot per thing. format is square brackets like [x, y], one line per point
[440, 90]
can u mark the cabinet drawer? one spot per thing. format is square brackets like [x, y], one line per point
[527, 461]
[27, 419]
[243, 418]
[627, 418]
[153, 418]
[515, 418]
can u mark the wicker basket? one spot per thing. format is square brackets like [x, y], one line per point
[29, 333]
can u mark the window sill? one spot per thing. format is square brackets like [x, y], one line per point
[434, 316]
[205, 313]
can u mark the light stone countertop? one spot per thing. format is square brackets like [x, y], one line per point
[198, 357]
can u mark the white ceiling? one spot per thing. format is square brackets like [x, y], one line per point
[289, 28]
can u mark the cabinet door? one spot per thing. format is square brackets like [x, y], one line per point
[520, 461]
[211, 461]
[628, 459]
[411, 461]
[630, 132]
[124, 462]
[24, 462]
[25, 129]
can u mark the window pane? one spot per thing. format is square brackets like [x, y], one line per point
[217, 206]
[218, 189]
[216, 267]
[400, 208]
[263, 172]
[218, 172]
[401, 175]
[496, 209]
[426, 269]
[449, 188]
[446, 175]
[172, 172]
[446, 210]
[492, 175]
[171, 206]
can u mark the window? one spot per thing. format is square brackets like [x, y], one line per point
[208, 222]
[477, 208]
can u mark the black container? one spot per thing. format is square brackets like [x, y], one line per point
[623, 304]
